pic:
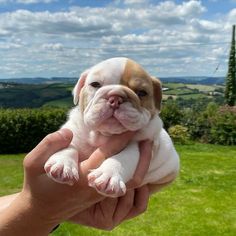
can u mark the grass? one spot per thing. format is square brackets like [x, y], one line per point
[64, 102]
[189, 91]
[200, 202]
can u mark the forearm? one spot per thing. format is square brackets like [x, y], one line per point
[20, 218]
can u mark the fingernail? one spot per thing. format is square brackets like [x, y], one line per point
[65, 133]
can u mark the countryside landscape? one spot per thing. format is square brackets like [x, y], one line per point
[201, 200]
[56, 92]
[189, 44]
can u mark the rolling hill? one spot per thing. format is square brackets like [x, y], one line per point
[17, 95]
[65, 80]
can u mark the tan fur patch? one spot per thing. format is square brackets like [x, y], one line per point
[83, 102]
[137, 79]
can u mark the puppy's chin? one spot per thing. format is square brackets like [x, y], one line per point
[111, 126]
[101, 117]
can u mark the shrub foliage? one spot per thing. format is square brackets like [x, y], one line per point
[214, 124]
[22, 129]
[179, 134]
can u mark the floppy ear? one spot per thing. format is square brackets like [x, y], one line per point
[157, 92]
[79, 86]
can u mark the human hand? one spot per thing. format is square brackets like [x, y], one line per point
[45, 203]
[110, 212]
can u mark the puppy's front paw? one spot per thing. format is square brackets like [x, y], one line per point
[106, 182]
[62, 169]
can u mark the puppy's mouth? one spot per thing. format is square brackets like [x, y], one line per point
[115, 111]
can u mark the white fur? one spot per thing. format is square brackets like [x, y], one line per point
[99, 122]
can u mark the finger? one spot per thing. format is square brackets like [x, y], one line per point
[95, 160]
[145, 149]
[35, 160]
[141, 198]
[124, 205]
[116, 143]
[108, 207]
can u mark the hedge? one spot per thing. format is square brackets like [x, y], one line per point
[22, 129]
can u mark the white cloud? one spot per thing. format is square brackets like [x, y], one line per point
[135, 1]
[163, 37]
[53, 46]
[232, 16]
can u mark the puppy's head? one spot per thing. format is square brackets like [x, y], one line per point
[117, 95]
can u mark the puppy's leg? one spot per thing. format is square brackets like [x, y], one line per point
[109, 179]
[62, 166]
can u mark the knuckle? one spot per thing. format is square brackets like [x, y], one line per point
[109, 226]
[142, 208]
[27, 162]
[48, 140]
[136, 181]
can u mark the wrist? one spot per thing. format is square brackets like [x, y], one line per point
[24, 217]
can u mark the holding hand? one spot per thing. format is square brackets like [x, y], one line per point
[45, 203]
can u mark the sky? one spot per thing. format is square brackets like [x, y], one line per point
[58, 38]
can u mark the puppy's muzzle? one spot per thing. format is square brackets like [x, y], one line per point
[120, 94]
[116, 97]
[115, 101]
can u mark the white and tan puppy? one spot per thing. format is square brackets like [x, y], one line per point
[115, 96]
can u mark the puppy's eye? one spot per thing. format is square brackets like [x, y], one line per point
[141, 93]
[96, 85]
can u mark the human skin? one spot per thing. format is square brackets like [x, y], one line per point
[43, 203]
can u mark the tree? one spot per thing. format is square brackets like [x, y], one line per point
[230, 90]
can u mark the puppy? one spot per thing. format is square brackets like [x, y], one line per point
[112, 97]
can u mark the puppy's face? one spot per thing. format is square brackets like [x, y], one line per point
[117, 95]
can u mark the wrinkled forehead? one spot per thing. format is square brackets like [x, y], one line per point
[119, 71]
[109, 71]
[135, 76]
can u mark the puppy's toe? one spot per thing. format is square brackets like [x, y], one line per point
[107, 184]
[65, 172]
[116, 187]
[92, 176]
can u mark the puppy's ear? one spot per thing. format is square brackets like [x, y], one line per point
[79, 86]
[157, 87]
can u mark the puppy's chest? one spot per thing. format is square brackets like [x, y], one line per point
[87, 144]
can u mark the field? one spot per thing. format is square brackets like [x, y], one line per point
[193, 91]
[200, 202]
[59, 94]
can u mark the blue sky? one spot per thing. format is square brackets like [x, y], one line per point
[63, 38]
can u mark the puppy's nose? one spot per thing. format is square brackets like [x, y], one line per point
[115, 101]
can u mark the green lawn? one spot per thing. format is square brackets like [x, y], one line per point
[62, 103]
[202, 201]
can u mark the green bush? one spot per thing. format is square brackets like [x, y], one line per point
[22, 129]
[171, 114]
[213, 125]
[179, 134]
[223, 130]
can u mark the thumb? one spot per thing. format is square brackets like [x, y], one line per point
[113, 146]
[35, 160]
